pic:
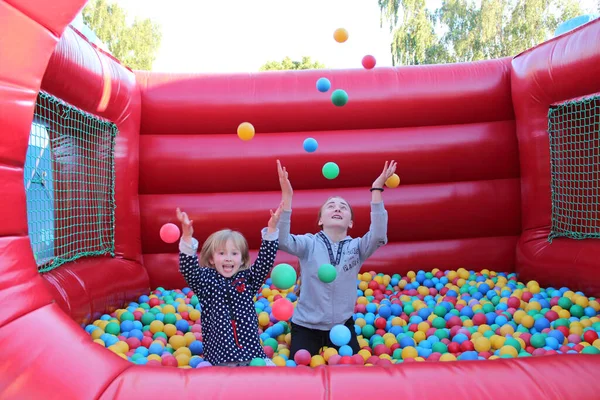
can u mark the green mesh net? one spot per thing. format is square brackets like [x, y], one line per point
[574, 130]
[69, 181]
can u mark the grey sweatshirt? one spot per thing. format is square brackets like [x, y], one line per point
[324, 305]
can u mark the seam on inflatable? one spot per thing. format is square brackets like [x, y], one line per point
[10, 321]
[111, 380]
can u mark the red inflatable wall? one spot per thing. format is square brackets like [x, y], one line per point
[459, 203]
[561, 69]
[470, 184]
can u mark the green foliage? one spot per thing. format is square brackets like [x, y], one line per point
[135, 45]
[287, 64]
[469, 30]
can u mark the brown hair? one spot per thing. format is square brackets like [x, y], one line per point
[326, 201]
[219, 239]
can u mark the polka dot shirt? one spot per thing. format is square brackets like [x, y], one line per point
[229, 321]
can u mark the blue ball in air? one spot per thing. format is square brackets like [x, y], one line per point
[310, 145]
[323, 85]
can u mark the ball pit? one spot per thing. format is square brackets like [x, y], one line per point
[423, 316]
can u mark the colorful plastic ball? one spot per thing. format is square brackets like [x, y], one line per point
[282, 309]
[339, 97]
[283, 276]
[330, 170]
[340, 35]
[245, 131]
[169, 233]
[310, 145]
[327, 273]
[369, 62]
[323, 85]
[258, 362]
[302, 357]
[393, 181]
[340, 335]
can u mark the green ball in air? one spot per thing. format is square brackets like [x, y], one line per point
[339, 97]
[283, 276]
[327, 273]
[331, 170]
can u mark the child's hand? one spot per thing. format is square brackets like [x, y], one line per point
[186, 225]
[286, 187]
[275, 218]
[387, 172]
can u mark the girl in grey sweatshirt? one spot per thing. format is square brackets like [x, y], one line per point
[321, 306]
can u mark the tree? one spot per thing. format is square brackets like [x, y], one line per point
[135, 46]
[287, 64]
[470, 30]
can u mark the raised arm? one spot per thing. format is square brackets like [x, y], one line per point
[377, 235]
[295, 245]
[267, 252]
[189, 267]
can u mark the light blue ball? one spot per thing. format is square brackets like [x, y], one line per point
[340, 335]
[310, 145]
[323, 85]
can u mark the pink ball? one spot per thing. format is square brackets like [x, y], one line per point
[369, 62]
[133, 342]
[196, 328]
[358, 359]
[302, 357]
[282, 309]
[169, 233]
[169, 361]
[269, 351]
[147, 341]
[333, 360]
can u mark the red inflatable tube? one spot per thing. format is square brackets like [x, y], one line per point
[472, 148]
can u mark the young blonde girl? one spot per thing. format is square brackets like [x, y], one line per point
[226, 284]
[321, 306]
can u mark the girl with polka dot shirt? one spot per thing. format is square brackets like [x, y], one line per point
[226, 284]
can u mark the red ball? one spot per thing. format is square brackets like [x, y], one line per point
[394, 347]
[413, 327]
[513, 302]
[467, 345]
[564, 330]
[358, 359]
[138, 315]
[454, 321]
[373, 285]
[526, 296]
[380, 323]
[380, 332]
[185, 315]
[360, 308]
[346, 360]
[169, 233]
[147, 341]
[578, 347]
[384, 362]
[382, 349]
[169, 361]
[479, 319]
[153, 302]
[369, 62]
[434, 357]
[551, 315]
[372, 360]
[589, 336]
[133, 343]
[333, 360]
[526, 338]
[282, 309]
[269, 352]
[454, 347]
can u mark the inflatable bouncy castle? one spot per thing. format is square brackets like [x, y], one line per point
[500, 169]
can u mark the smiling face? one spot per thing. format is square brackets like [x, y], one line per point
[226, 251]
[227, 259]
[336, 213]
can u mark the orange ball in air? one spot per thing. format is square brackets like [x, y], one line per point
[245, 131]
[393, 181]
[340, 35]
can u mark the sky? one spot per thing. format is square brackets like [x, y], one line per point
[241, 35]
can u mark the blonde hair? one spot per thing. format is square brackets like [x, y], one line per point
[218, 240]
